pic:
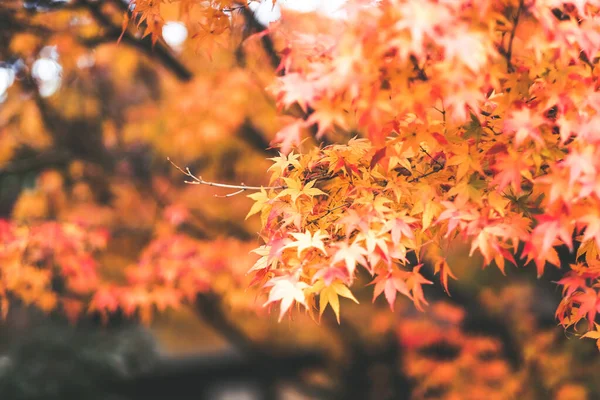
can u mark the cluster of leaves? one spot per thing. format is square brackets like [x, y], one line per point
[479, 123]
[481, 118]
[54, 265]
[93, 155]
[173, 270]
[443, 358]
[49, 265]
[581, 299]
[456, 122]
[210, 20]
[204, 129]
[447, 360]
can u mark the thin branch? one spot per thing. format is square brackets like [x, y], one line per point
[197, 180]
[432, 159]
[493, 131]
[231, 194]
[233, 8]
[508, 53]
[327, 212]
[37, 162]
[421, 75]
[416, 178]
[157, 51]
[267, 43]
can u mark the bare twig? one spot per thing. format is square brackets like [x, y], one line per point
[232, 194]
[197, 180]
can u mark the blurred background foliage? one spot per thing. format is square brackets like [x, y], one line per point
[86, 124]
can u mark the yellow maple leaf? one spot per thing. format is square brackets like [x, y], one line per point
[330, 295]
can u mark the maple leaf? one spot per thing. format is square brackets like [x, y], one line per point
[510, 170]
[589, 248]
[307, 240]
[326, 117]
[589, 305]
[329, 295]
[430, 211]
[289, 136]
[581, 163]
[350, 255]
[295, 189]
[550, 228]
[421, 19]
[415, 283]
[572, 282]
[353, 220]
[329, 274]
[592, 230]
[260, 198]
[295, 88]
[524, 124]
[282, 163]
[148, 12]
[465, 161]
[378, 157]
[400, 228]
[531, 253]
[286, 289]
[391, 284]
[270, 254]
[441, 266]
[373, 240]
[470, 48]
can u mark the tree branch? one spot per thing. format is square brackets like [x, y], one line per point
[255, 138]
[267, 43]
[197, 180]
[421, 75]
[158, 50]
[508, 52]
[37, 162]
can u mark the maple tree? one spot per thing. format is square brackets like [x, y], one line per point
[390, 135]
[479, 121]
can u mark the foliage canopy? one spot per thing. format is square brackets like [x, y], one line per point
[401, 128]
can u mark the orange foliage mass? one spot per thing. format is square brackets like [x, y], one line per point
[435, 122]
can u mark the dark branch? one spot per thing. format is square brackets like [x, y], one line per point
[421, 75]
[255, 138]
[37, 162]
[158, 51]
[508, 52]
[209, 308]
[267, 43]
